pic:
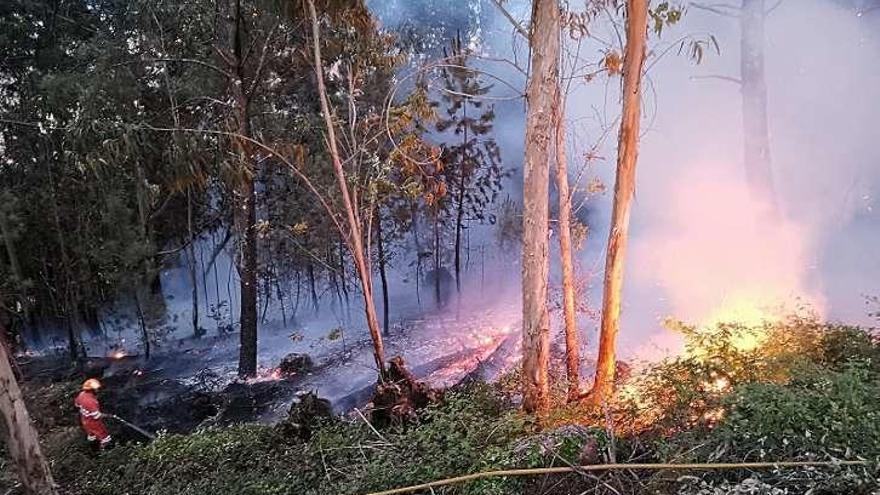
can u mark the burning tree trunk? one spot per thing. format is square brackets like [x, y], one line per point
[756, 138]
[572, 349]
[245, 211]
[22, 441]
[624, 187]
[540, 93]
[354, 236]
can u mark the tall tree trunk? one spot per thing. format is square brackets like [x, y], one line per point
[245, 215]
[572, 345]
[22, 441]
[380, 246]
[540, 93]
[355, 236]
[756, 136]
[198, 332]
[624, 187]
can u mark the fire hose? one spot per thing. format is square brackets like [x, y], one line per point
[614, 467]
[132, 426]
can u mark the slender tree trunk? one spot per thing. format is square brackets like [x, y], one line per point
[298, 290]
[312, 288]
[459, 216]
[624, 188]
[572, 346]
[540, 93]
[438, 296]
[343, 275]
[145, 334]
[756, 135]
[193, 278]
[354, 238]
[382, 273]
[418, 245]
[280, 294]
[22, 440]
[245, 215]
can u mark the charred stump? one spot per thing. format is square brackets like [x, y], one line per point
[397, 401]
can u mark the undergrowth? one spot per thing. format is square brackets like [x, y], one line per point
[808, 392]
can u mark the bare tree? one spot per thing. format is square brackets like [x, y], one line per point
[354, 235]
[22, 440]
[540, 94]
[244, 212]
[572, 349]
[624, 188]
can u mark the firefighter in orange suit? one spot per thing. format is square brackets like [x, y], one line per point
[90, 415]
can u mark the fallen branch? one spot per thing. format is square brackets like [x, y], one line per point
[617, 467]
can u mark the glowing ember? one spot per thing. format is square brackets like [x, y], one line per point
[266, 375]
[118, 354]
[137, 372]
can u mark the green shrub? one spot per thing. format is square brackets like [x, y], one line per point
[821, 414]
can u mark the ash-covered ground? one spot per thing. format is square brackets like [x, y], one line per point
[191, 383]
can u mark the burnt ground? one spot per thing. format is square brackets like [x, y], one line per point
[188, 384]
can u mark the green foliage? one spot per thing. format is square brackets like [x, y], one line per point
[818, 414]
[471, 430]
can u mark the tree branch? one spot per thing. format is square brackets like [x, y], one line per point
[718, 8]
[519, 27]
[722, 78]
[259, 72]
[178, 60]
[774, 7]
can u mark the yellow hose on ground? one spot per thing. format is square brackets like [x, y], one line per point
[618, 467]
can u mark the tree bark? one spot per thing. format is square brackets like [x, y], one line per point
[22, 440]
[540, 93]
[354, 237]
[245, 214]
[572, 345]
[756, 135]
[624, 188]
